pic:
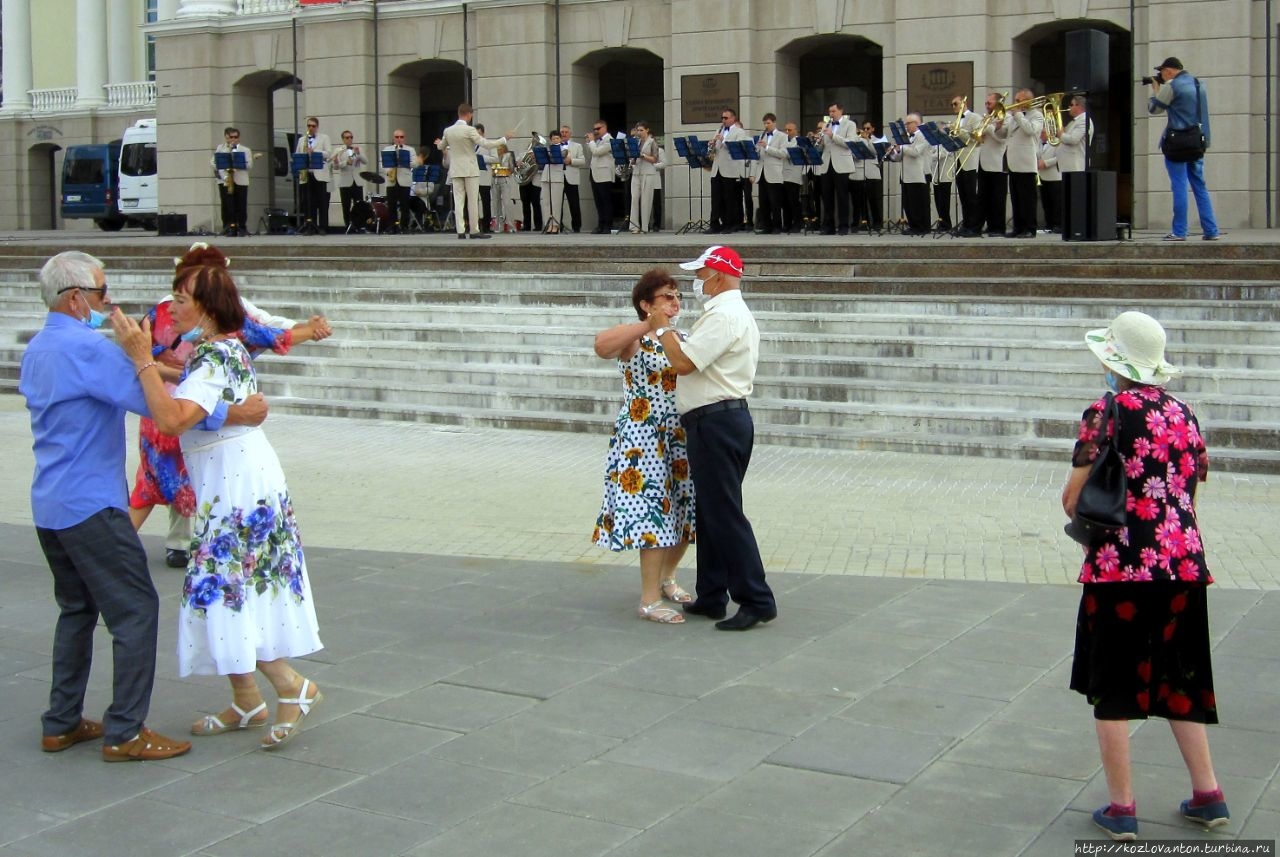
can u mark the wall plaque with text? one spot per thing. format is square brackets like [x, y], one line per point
[703, 96]
[931, 85]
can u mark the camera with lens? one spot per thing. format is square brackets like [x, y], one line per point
[1147, 81]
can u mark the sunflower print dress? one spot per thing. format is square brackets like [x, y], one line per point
[648, 494]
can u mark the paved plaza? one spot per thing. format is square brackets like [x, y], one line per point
[489, 691]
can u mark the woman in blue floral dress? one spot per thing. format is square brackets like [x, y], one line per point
[1142, 628]
[246, 602]
[648, 495]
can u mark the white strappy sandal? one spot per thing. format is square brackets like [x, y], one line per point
[212, 724]
[280, 733]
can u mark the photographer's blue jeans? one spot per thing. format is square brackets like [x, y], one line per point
[1180, 175]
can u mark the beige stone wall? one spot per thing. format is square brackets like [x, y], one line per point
[217, 72]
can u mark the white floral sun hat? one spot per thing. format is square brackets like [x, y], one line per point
[1133, 348]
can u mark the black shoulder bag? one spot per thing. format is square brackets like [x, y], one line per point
[1100, 507]
[1182, 146]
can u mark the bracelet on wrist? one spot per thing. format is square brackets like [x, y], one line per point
[144, 368]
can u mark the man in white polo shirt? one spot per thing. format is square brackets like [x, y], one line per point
[716, 363]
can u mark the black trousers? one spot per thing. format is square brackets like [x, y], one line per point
[315, 203]
[857, 203]
[531, 202]
[771, 205]
[235, 206]
[575, 206]
[835, 201]
[99, 568]
[1022, 196]
[398, 204]
[791, 206]
[970, 203]
[942, 202]
[486, 206]
[729, 564]
[602, 192]
[992, 187]
[748, 203]
[874, 195]
[1051, 202]
[726, 204]
[350, 195]
[915, 206]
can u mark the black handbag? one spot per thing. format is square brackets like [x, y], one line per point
[1100, 508]
[1184, 145]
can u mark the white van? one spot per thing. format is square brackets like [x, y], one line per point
[139, 198]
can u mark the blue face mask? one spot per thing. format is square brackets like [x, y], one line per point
[1113, 382]
[193, 334]
[96, 319]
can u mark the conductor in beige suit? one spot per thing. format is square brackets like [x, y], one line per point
[459, 142]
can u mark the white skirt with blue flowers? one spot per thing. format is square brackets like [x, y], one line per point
[246, 597]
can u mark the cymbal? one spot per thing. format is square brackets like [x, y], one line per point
[372, 177]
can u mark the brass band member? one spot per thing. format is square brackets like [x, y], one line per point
[346, 164]
[1021, 149]
[484, 162]
[873, 185]
[792, 181]
[399, 179]
[1050, 184]
[644, 180]
[575, 158]
[531, 192]
[313, 185]
[459, 143]
[838, 161]
[1074, 137]
[726, 176]
[993, 185]
[773, 155]
[915, 187]
[602, 175]
[233, 184]
[966, 174]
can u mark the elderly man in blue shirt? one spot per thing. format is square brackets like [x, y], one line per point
[78, 386]
[1182, 98]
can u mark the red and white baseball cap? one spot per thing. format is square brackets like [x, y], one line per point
[722, 259]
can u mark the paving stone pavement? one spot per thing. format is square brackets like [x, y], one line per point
[488, 690]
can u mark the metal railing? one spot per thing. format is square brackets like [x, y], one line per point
[53, 100]
[141, 93]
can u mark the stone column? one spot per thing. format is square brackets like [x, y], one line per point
[17, 55]
[91, 53]
[190, 8]
[166, 10]
[122, 43]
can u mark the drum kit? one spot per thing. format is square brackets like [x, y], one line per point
[374, 214]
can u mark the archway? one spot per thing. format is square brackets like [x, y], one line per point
[42, 185]
[265, 105]
[423, 98]
[1040, 58]
[844, 69]
[622, 86]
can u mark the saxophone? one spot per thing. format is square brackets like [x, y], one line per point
[391, 173]
[230, 181]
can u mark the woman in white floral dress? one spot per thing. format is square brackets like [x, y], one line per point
[648, 495]
[246, 603]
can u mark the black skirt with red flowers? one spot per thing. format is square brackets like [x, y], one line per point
[1142, 650]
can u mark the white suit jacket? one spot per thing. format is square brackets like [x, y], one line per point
[346, 168]
[602, 166]
[773, 156]
[459, 140]
[404, 177]
[835, 154]
[1024, 140]
[1071, 152]
[991, 154]
[915, 157]
[724, 164]
[321, 145]
[241, 176]
[573, 173]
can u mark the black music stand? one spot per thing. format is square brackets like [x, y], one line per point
[622, 157]
[231, 161]
[805, 154]
[686, 151]
[898, 131]
[391, 162]
[551, 156]
[303, 162]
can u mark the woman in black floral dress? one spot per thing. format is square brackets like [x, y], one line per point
[1142, 632]
[648, 492]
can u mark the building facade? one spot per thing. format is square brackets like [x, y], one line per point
[371, 67]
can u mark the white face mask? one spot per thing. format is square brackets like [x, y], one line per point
[697, 287]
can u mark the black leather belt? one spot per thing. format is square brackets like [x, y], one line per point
[707, 410]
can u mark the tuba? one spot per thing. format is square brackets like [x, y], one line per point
[1051, 106]
[527, 166]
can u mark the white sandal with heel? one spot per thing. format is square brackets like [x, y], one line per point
[212, 724]
[280, 733]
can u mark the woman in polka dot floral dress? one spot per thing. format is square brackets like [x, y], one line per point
[648, 495]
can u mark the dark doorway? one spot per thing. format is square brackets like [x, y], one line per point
[846, 70]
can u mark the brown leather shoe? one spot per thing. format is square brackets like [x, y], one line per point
[88, 730]
[148, 746]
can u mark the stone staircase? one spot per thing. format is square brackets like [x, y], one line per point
[943, 347]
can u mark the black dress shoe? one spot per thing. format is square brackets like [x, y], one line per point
[481, 235]
[176, 558]
[697, 608]
[743, 619]
[1031, 234]
[462, 236]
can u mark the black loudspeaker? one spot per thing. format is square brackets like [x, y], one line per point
[1088, 61]
[171, 224]
[1089, 206]
[279, 222]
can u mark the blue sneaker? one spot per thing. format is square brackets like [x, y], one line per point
[1210, 815]
[1121, 828]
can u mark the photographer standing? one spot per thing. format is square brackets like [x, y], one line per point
[1179, 95]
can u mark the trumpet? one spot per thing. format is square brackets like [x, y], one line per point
[527, 166]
